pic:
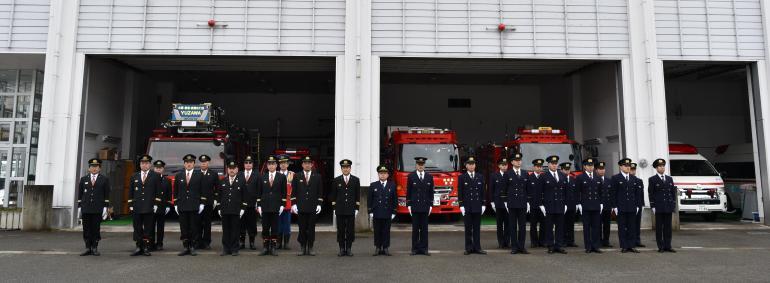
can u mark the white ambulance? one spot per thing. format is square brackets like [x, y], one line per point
[701, 188]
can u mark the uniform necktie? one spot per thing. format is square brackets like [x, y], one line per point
[383, 184]
[518, 173]
[271, 179]
[93, 179]
[471, 175]
[231, 181]
[420, 176]
[144, 176]
[590, 176]
[307, 177]
[248, 174]
[188, 177]
[555, 176]
[626, 178]
[662, 178]
[346, 180]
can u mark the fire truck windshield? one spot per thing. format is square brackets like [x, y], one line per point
[441, 157]
[692, 167]
[172, 152]
[532, 151]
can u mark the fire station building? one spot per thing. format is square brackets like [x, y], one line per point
[93, 78]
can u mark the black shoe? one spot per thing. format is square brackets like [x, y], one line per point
[224, 253]
[588, 251]
[303, 252]
[184, 252]
[481, 252]
[265, 248]
[572, 245]
[377, 252]
[513, 252]
[87, 252]
[467, 252]
[252, 246]
[634, 250]
[660, 250]
[624, 251]
[280, 243]
[426, 253]
[550, 251]
[310, 251]
[342, 252]
[561, 251]
[273, 245]
[668, 250]
[386, 252]
[640, 246]
[192, 252]
[159, 246]
[95, 250]
[243, 244]
[286, 242]
[235, 253]
[596, 251]
[138, 250]
[607, 246]
[524, 252]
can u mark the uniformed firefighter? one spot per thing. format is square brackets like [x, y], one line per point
[189, 204]
[231, 194]
[534, 189]
[591, 196]
[249, 220]
[270, 199]
[163, 208]
[498, 184]
[93, 201]
[382, 203]
[471, 196]
[517, 204]
[625, 205]
[639, 185]
[608, 196]
[345, 195]
[572, 201]
[307, 198]
[662, 193]
[419, 201]
[284, 220]
[553, 205]
[209, 183]
[143, 201]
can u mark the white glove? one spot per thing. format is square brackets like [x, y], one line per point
[430, 209]
[80, 215]
[506, 206]
[484, 207]
[392, 217]
[462, 210]
[294, 209]
[371, 215]
[317, 209]
[131, 208]
[527, 208]
[154, 209]
[410, 210]
[104, 214]
[637, 210]
[280, 210]
[580, 208]
[240, 214]
[493, 208]
[601, 208]
[542, 209]
[176, 208]
[615, 210]
[216, 203]
[200, 209]
[653, 210]
[220, 213]
[355, 213]
[565, 209]
[259, 210]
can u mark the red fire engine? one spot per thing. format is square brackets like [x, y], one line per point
[533, 143]
[197, 129]
[440, 147]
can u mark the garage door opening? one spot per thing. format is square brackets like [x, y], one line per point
[487, 104]
[273, 103]
[712, 152]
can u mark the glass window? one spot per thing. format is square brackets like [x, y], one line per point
[23, 105]
[25, 81]
[531, 151]
[3, 163]
[14, 193]
[20, 133]
[172, 152]
[441, 157]
[32, 163]
[5, 132]
[6, 106]
[692, 167]
[8, 80]
[19, 156]
[35, 132]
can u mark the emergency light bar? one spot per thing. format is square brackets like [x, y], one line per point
[426, 131]
[541, 130]
[681, 148]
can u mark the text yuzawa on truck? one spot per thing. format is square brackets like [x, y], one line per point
[440, 147]
[533, 143]
[197, 129]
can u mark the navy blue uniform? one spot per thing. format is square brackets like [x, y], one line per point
[93, 198]
[142, 197]
[517, 197]
[271, 197]
[187, 197]
[382, 203]
[346, 199]
[662, 193]
[572, 199]
[625, 201]
[160, 215]
[554, 200]
[232, 199]
[419, 196]
[639, 189]
[608, 196]
[498, 184]
[536, 217]
[591, 197]
[471, 196]
[209, 184]
[307, 194]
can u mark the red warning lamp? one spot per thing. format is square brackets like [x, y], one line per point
[501, 27]
[212, 23]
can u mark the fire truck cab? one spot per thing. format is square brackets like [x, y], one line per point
[541, 143]
[440, 147]
[197, 129]
[701, 188]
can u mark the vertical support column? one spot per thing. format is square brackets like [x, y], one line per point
[60, 118]
[762, 115]
[644, 98]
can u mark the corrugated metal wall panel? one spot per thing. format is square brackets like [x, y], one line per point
[425, 27]
[303, 26]
[24, 25]
[723, 28]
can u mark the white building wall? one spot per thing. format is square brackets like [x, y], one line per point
[23, 25]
